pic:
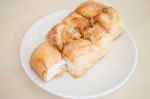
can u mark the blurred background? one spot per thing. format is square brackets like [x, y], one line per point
[17, 16]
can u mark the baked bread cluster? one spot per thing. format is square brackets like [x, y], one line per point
[78, 41]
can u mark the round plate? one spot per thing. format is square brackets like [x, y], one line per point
[107, 75]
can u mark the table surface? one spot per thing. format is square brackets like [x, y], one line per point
[17, 16]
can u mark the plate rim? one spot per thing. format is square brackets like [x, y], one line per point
[90, 96]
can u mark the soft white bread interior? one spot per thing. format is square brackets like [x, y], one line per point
[46, 61]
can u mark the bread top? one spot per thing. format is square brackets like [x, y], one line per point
[109, 18]
[77, 21]
[94, 33]
[90, 9]
[89, 21]
[75, 48]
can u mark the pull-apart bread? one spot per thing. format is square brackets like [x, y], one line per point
[78, 41]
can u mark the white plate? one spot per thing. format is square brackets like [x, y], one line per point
[107, 75]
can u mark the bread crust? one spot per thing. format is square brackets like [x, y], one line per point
[43, 57]
[81, 38]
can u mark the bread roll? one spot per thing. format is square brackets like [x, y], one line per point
[46, 61]
[76, 21]
[90, 9]
[61, 33]
[110, 20]
[81, 54]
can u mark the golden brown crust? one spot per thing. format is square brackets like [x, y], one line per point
[83, 37]
[43, 57]
[90, 9]
[76, 20]
[74, 48]
[74, 52]
[110, 20]
[82, 54]
[107, 18]
[94, 33]
[84, 19]
[61, 33]
[54, 38]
